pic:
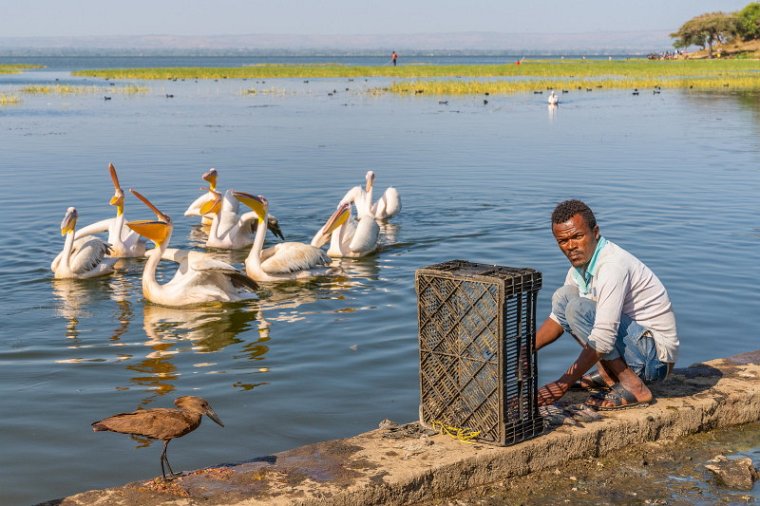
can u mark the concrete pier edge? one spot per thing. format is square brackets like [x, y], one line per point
[375, 468]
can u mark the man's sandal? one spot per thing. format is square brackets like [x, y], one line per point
[590, 382]
[618, 396]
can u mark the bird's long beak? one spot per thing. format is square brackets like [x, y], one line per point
[213, 204]
[258, 203]
[212, 414]
[159, 215]
[69, 222]
[370, 177]
[118, 195]
[114, 177]
[338, 218]
[156, 231]
[210, 176]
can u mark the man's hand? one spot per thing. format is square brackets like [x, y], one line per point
[551, 393]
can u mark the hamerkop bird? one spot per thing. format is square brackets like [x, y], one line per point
[161, 423]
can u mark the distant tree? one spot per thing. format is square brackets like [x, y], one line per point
[748, 22]
[705, 30]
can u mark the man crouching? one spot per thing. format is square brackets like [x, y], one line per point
[617, 310]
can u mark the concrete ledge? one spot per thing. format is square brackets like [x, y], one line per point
[373, 468]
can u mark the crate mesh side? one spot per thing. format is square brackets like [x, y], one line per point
[477, 355]
[459, 347]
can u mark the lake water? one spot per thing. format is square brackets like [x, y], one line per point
[673, 178]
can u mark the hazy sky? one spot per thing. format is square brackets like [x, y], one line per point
[21, 18]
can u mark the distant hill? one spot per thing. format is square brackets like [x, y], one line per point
[558, 43]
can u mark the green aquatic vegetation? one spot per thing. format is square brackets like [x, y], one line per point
[9, 99]
[15, 68]
[550, 69]
[470, 87]
[63, 89]
[265, 91]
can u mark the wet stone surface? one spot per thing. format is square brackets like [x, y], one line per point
[672, 473]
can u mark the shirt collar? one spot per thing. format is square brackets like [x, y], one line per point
[582, 276]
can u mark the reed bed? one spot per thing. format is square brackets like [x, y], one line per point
[9, 99]
[64, 89]
[550, 69]
[459, 87]
[16, 68]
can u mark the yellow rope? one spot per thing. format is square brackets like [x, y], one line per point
[462, 434]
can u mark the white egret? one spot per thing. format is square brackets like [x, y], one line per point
[199, 278]
[124, 242]
[81, 258]
[283, 261]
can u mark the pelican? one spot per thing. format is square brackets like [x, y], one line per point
[553, 98]
[286, 260]
[386, 206]
[349, 237]
[199, 278]
[229, 215]
[82, 258]
[230, 230]
[195, 208]
[124, 242]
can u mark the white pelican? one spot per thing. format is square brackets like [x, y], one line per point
[199, 278]
[553, 98]
[230, 230]
[124, 242]
[386, 206]
[82, 258]
[194, 209]
[351, 238]
[283, 261]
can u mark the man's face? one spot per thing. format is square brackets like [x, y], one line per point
[576, 239]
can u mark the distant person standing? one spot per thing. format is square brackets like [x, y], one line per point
[394, 57]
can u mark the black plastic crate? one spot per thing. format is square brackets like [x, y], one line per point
[478, 371]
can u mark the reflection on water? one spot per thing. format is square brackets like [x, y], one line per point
[210, 328]
[477, 183]
[552, 108]
[74, 299]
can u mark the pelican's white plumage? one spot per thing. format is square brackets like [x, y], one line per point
[124, 242]
[553, 98]
[283, 261]
[229, 230]
[350, 237]
[81, 258]
[194, 209]
[199, 278]
[386, 207]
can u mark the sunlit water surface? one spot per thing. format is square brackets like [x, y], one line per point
[674, 178]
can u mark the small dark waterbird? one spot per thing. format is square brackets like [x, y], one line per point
[161, 423]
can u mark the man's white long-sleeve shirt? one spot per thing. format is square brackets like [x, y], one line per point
[622, 284]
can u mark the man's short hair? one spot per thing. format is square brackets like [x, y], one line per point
[569, 208]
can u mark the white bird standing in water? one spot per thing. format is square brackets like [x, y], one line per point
[124, 242]
[82, 258]
[283, 261]
[199, 278]
[351, 238]
[386, 206]
[553, 98]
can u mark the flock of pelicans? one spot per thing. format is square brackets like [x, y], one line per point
[351, 231]
[201, 278]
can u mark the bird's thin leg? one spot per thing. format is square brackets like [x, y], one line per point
[164, 458]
